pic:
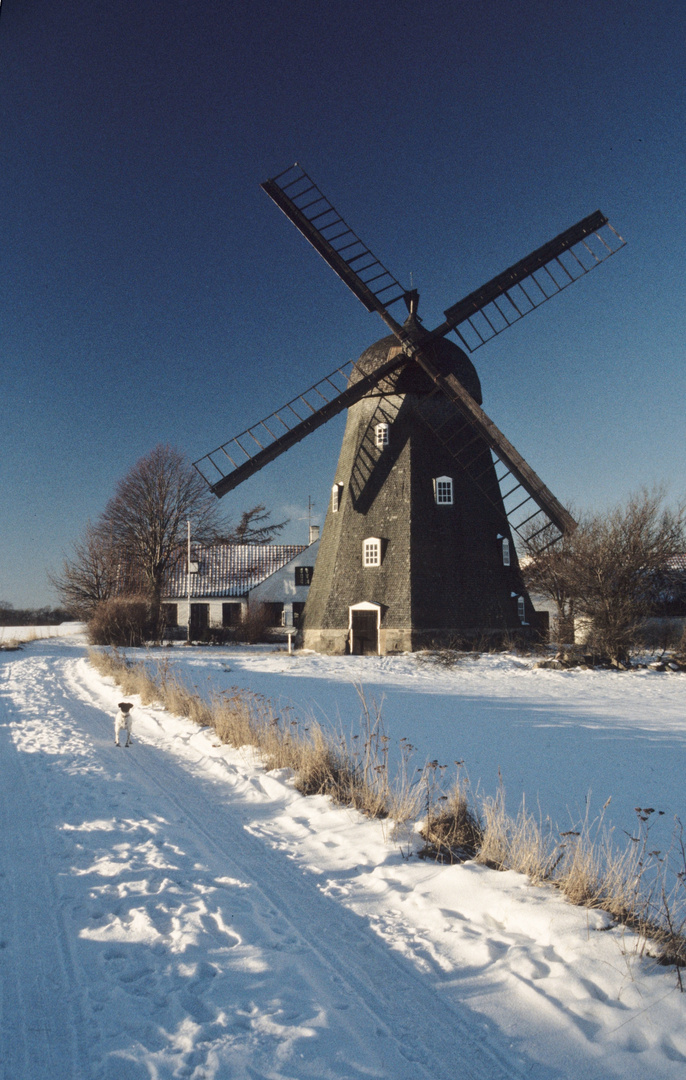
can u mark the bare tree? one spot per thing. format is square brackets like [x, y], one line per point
[145, 520]
[612, 568]
[253, 528]
[546, 568]
[92, 573]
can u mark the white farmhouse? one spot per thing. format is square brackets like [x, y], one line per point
[224, 579]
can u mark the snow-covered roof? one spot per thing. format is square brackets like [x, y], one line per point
[229, 569]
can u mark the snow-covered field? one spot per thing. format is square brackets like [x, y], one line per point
[173, 911]
[32, 633]
[559, 738]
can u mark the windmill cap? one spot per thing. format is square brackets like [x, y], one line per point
[410, 378]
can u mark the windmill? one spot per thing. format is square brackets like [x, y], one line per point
[418, 542]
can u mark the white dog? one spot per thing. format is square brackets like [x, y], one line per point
[123, 720]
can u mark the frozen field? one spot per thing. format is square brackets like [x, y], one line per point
[173, 911]
[557, 737]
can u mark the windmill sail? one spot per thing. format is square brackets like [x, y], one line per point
[308, 208]
[234, 461]
[528, 505]
[482, 314]
[475, 319]
[527, 284]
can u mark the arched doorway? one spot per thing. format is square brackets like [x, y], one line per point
[365, 620]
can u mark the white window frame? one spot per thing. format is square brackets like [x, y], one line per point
[336, 497]
[521, 608]
[507, 557]
[381, 436]
[443, 490]
[371, 551]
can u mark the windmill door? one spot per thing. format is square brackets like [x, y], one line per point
[364, 631]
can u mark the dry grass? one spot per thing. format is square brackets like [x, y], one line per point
[453, 831]
[353, 771]
[640, 887]
[10, 645]
[523, 843]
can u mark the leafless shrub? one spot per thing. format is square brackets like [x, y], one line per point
[445, 657]
[10, 645]
[452, 831]
[91, 574]
[124, 622]
[612, 569]
[255, 625]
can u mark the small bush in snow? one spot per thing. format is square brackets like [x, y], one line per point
[123, 622]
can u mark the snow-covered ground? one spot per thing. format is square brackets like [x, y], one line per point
[559, 738]
[172, 910]
[33, 633]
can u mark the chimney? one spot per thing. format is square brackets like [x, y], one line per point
[314, 533]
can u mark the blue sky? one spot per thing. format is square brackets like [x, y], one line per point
[150, 292]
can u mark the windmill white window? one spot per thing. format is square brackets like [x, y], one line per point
[381, 435]
[336, 496]
[371, 551]
[506, 551]
[443, 490]
[521, 608]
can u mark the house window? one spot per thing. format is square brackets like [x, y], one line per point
[303, 575]
[371, 551]
[336, 496]
[231, 614]
[521, 608]
[200, 617]
[381, 435]
[506, 551]
[275, 613]
[443, 490]
[298, 608]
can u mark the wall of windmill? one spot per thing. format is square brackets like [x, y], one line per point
[441, 573]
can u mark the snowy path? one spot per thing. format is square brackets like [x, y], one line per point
[157, 929]
[173, 911]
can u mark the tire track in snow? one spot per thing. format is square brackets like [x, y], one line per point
[41, 1017]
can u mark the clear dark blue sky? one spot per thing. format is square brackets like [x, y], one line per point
[150, 292]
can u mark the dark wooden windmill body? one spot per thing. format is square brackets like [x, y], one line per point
[411, 552]
[428, 497]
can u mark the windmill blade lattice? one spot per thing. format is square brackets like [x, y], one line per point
[486, 437]
[526, 285]
[475, 319]
[481, 315]
[308, 208]
[523, 512]
[224, 468]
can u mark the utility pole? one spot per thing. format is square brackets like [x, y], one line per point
[188, 575]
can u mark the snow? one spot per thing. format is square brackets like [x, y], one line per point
[557, 737]
[172, 910]
[33, 633]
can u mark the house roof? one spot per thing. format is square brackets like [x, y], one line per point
[229, 569]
